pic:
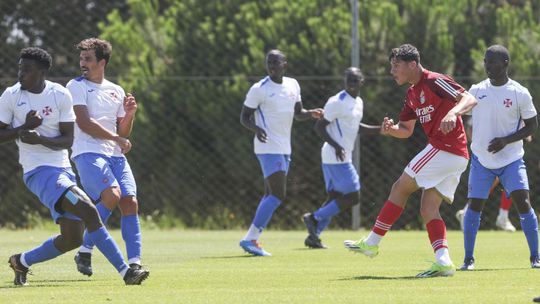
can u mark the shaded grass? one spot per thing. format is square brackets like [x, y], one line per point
[209, 267]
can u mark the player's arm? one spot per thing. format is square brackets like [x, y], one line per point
[93, 128]
[320, 129]
[64, 141]
[464, 103]
[403, 129]
[302, 114]
[498, 143]
[247, 119]
[125, 124]
[366, 129]
[33, 120]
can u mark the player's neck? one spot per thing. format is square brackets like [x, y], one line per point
[497, 82]
[96, 78]
[38, 88]
[277, 79]
[417, 75]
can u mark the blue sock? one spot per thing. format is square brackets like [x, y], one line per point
[104, 214]
[42, 253]
[131, 233]
[264, 212]
[529, 224]
[108, 247]
[327, 210]
[471, 223]
[322, 224]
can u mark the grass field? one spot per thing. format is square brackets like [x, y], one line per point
[209, 267]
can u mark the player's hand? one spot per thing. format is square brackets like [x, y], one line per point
[341, 154]
[30, 137]
[448, 123]
[316, 113]
[261, 135]
[387, 125]
[497, 144]
[124, 143]
[130, 104]
[33, 120]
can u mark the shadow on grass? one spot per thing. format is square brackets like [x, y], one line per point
[42, 283]
[232, 256]
[370, 277]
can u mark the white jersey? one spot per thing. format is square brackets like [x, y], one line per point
[498, 113]
[105, 104]
[275, 112]
[54, 104]
[344, 113]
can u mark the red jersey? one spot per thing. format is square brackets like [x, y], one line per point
[429, 101]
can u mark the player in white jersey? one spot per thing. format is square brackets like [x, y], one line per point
[104, 122]
[38, 115]
[268, 111]
[497, 146]
[339, 127]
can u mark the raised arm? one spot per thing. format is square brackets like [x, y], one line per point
[403, 129]
[366, 129]
[465, 103]
[125, 124]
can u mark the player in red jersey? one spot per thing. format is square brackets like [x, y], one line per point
[437, 102]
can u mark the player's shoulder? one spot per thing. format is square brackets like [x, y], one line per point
[290, 80]
[484, 84]
[512, 84]
[435, 77]
[76, 82]
[338, 99]
[56, 87]
[13, 90]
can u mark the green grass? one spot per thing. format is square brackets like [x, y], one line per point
[209, 267]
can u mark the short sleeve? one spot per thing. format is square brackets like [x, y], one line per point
[474, 92]
[526, 105]
[407, 113]
[298, 92]
[332, 110]
[121, 112]
[78, 93]
[66, 107]
[6, 107]
[253, 97]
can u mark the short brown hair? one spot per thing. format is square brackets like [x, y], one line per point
[102, 48]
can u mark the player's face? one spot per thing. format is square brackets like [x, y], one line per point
[275, 65]
[353, 82]
[90, 66]
[401, 70]
[495, 66]
[30, 75]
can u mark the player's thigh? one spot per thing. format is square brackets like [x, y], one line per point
[480, 180]
[514, 177]
[124, 176]
[341, 178]
[95, 173]
[272, 163]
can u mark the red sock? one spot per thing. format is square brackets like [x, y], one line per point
[505, 201]
[389, 213]
[436, 230]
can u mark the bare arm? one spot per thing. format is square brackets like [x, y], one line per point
[247, 119]
[404, 129]
[125, 124]
[95, 129]
[366, 129]
[320, 128]
[302, 114]
[64, 141]
[465, 103]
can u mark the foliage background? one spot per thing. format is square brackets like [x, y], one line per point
[190, 64]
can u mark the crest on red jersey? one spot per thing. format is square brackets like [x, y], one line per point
[422, 97]
[507, 102]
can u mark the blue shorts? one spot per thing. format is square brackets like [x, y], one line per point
[272, 163]
[99, 172]
[341, 178]
[512, 177]
[50, 184]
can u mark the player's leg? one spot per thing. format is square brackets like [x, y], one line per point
[460, 214]
[389, 214]
[129, 208]
[275, 168]
[78, 203]
[436, 228]
[99, 183]
[515, 180]
[503, 221]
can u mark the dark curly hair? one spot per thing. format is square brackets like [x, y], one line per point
[43, 59]
[102, 48]
[405, 52]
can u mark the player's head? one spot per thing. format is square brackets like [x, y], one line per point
[496, 60]
[94, 56]
[33, 65]
[353, 80]
[276, 64]
[405, 63]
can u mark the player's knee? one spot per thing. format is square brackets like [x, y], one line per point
[129, 205]
[74, 241]
[429, 212]
[110, 197]
[347, 201]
